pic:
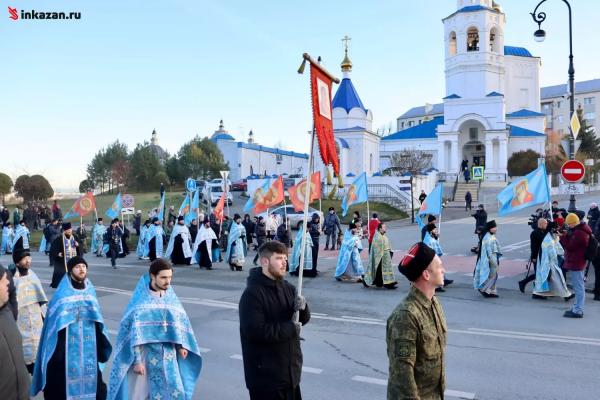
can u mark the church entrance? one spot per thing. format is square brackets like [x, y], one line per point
[474, 152]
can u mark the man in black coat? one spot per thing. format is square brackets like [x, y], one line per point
[269, 332]
[63, 248]
[260, 231]
[112, 237]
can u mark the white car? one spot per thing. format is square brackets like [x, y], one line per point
[212, 194]
[219, 181]
[294, 216]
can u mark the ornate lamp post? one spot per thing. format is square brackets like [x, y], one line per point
[539, 36]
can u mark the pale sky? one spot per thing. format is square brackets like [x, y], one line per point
[71, 87]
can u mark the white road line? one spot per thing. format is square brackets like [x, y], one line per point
[112, 331]
[526, 337]
[535, 334]
[318, 314]
[383, 382]
[312, 370]
[203, 349]
[362, 319]
[236, 357]
[356, 321]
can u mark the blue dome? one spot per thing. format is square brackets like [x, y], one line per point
[222, 136]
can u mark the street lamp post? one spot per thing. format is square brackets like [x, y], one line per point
[539, 36]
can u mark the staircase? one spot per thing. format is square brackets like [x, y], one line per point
[462, 189]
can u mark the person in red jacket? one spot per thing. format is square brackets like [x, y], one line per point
[575, 241]
[373, 224]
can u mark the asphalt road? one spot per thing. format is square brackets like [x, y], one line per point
[507, 348]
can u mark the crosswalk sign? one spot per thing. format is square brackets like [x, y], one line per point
[477, 174]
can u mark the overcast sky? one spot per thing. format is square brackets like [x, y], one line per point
[126, 68]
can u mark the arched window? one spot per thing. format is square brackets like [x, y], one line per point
[452, 44]
[472, 39]
[494, 41]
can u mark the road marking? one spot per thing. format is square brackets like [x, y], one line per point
[112, 331]
[356, 321]
[383, 382]
[362, 319]
[536, 334]
[203, 349]
[318, 314]
[236, 357]
[540, 338]
[312, 370]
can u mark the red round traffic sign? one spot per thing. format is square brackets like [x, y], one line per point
[572, 171]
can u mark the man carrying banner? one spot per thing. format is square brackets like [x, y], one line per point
[63, 248]
[74, 341]
[236, 244]
[488, 262]
[179, 249]
[156, 354]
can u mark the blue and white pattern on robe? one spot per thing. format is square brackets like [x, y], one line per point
[140, 250]
[433, 243]
[186, 245]
[158, 325]
[98, 246]
[43, 245]
[32, 309]
[295, 260]
[7, 237]
[204, 234]
[237, 234]
[21, 232]
[77, 311]
[549, 280]
[483, 269]
[155, 231]
[349, 255]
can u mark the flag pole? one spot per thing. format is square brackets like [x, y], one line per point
[368, 218]
[441, 211]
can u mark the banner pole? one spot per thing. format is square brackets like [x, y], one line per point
[368, 219]
[441, 211]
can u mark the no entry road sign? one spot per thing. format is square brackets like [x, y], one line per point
[572, 171]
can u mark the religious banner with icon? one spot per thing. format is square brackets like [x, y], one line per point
[322, 120]
[298, 192]
[82, 207]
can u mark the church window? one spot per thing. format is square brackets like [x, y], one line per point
[410, 123]
[402, 125]
[558, 104]
[589, 100]
[472, 39]
[473, 133]
[419, 122]
[589, 116]
[452, 44]
[494, 41]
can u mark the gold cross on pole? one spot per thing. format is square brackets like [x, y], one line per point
[346, 39]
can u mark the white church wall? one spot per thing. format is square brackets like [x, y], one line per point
[387, 148]
[230, 156]
[356, 117]
[489, 111]
[522, 83]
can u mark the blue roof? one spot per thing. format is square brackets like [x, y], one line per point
[346, 97]
[452, 96]
[517, 131]
[492, 94]
[420, 111]
[350, 174]
[516, 51]
[222, 136]
[426, 130]
[344, 143]
[252, 146]
[525, 113]
[580, 87]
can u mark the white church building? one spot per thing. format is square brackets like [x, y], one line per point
[490, 110]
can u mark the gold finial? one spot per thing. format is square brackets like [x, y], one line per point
[346, 63]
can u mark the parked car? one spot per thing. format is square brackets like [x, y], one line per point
[241, 185]
[212, 194]
[294, 216]
[219, 181]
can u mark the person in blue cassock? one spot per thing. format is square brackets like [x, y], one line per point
[7, 236]
[294, 262]
[155, 240]
[236, 244]
[21, 239]
[179, 249]
[549, 279]
[349, 266]
[488, 262]
[74, 341]
[98, 247]
[156, 355]
[142, 244]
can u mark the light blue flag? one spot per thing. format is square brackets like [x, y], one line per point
[258, 193]
[357, 193]
[433, 202]
[525, 192]
[184, 209]
[161, 208]
[115, 209]
[193, 214]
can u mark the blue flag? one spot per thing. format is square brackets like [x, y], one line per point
[184, 209]
[161, 208]
[433, 202]
[525, 192]
[115, 209]
[193, 214]
[357, 193]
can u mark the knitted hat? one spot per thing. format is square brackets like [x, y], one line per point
[74, 261]
[572, 219]
[490, 224]
[416, 261]
[19, 255]
[431, 218]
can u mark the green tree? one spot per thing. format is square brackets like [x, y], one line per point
[34, 187]
[86, 185]
[522, 162]
[5, 185]
[590, 144]
[145, 169]
[174, 171]
[109, 167]
[201, 158]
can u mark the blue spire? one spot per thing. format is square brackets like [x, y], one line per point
[346, 97]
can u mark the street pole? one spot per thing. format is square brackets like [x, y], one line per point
[412, 201]
[539, 36]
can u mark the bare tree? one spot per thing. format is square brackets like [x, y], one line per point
[409, 160]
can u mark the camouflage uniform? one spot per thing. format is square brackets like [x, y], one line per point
[416, 339]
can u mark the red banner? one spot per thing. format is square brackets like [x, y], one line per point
[273, 197]
[298, 192]
[323, 116]
[85, 204]
[218, 210]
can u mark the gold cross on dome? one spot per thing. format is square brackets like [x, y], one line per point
[346, 39]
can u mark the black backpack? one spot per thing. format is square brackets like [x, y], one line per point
[591, 251]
